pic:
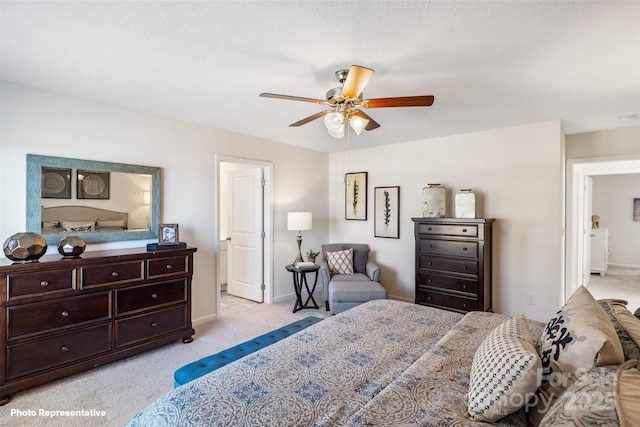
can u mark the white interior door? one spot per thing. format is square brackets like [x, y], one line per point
[245, 248]
[586, 230]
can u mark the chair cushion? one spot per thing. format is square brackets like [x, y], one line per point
[340, 262]
[356, 291]
[356, 277]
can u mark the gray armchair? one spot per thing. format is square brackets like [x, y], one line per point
[343, 291]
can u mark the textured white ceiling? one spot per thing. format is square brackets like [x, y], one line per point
[488, 64]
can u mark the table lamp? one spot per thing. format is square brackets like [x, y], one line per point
[299, 221]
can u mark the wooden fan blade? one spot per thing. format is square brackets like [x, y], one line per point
[401, 101]
[294, 98]
[357, 79]
[372, 123]
[310, 118]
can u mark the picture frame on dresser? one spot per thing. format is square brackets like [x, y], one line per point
[386, 212]
[168, 234]
[355, 190]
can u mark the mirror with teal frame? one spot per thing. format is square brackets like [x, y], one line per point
[35, 164]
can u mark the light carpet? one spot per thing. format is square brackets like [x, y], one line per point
[618, 282]
[123, 388]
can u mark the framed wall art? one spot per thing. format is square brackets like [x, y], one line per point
[56, 183]
[636, 209]
[355, 188]
[386, 212]
[92, 184]
[168, 234]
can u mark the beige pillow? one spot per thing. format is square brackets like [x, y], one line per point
[626, 391]
[578, 338]
[629, 322]
[340, 262]
[504, 374]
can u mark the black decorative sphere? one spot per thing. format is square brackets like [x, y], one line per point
[25, 247]
[71, 246]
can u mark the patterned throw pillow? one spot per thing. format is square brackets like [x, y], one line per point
[588, 402]
[626, 325]
[605, 396]
[578, 338]
[340, 262]
[78, 227]
[504, 374]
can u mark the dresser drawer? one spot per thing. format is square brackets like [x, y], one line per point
[142, 297]
[447, 282]
[38, 355]
[448, 230]
[46, 316]
[167, 266]
[123, 272]
[140, 328]
[450, 248]
[443, 300]
[454, 265]
[30, 284]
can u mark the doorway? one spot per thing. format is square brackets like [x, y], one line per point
[579, 173]
[244, 208]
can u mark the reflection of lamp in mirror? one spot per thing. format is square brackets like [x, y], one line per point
[299, 221]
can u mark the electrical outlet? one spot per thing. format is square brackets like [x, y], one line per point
[531, 299]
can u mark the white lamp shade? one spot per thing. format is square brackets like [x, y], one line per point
[298, 221]
[337, 133]
[358, 124]
[333, 121]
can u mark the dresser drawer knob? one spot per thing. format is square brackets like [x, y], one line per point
[464, 249]
[64, 348]
[464, 286]
[429, 263]
[428, 298]
[65, 313]
[464, 230]
[44, 283]
[154, 324]
[115, 274]
[430, 246]
[429, 228]
[154, 296]
[169, 266]
[464, 304]
[429, 280]
[465, 268]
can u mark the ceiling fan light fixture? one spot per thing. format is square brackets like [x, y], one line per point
[334, 121]
[339, 133]
[358, 124]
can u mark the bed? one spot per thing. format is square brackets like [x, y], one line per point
[81, 219]
[383, 363]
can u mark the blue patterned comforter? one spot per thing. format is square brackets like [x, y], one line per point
[345, 369]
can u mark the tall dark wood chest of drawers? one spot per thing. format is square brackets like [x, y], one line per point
[62, 316]
[453, 263]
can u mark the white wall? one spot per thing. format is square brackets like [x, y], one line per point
[613, 201]
[517, 172]
[39, 122]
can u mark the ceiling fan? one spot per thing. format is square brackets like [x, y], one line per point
[345, 103]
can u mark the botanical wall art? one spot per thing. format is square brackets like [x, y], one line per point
[356, 196]
[636, 209]
[93, 184]
[56, 183]
[386, 212]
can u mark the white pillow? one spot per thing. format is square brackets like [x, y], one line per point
[113, 223]
[505, 372]
[340, 262]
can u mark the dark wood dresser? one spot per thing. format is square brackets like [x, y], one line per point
[61, 316]
[453, 263]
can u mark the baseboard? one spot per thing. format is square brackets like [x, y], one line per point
[201, 320]
[615, 264]
[403, 299]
